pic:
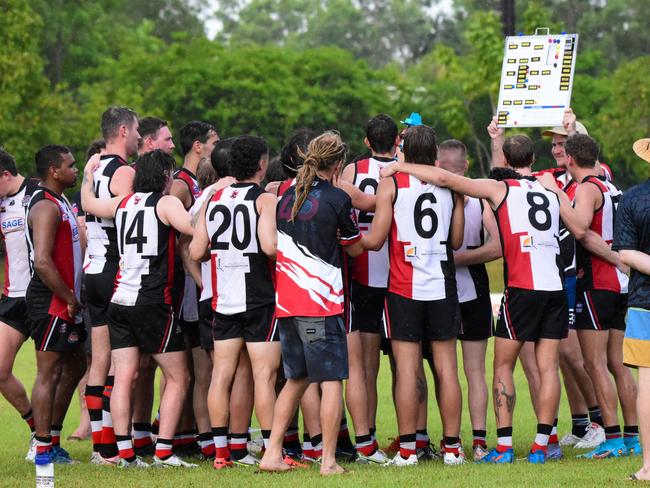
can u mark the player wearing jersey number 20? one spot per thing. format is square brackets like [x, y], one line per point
[140, 316]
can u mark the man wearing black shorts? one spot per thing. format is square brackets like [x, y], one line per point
[52, 296]
[480, 245]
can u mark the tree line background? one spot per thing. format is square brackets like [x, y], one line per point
[276, 65]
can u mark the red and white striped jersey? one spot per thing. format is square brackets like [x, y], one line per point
[421, 261]
[595, 273]
[66, 256]
[146, 246]
[371, 267]
[101, 251]
[241, 273]
[13, 218]
[528, 221]
[472, 281]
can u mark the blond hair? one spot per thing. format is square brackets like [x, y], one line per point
[323, 152]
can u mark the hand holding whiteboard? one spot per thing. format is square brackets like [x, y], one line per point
[536, 80]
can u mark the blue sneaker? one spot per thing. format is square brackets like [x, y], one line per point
[609, 448]
[554, 452]
[60, 456]
[537, 457]
[633, 445]
[496, 457]
[43, 458]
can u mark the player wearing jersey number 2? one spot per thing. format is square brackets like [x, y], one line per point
[534, 306]
[140, 315]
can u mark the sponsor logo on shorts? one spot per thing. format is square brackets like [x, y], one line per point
[73, 338]
[578, 307]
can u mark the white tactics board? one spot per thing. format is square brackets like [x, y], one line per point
[536, 80]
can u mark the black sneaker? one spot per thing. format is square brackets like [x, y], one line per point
[346, 455]
[427, 453]
[146, 451]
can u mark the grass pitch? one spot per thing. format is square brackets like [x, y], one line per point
[15, 472]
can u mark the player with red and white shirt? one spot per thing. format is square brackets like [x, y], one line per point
[423, 223]
[601, 295]
[141, 319]
[237, 226]
[52, 296]
[480, 245]
[15, 194]
[368, 291]
[534, 307]
[314, 222]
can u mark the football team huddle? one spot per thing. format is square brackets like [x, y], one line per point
[276, 285]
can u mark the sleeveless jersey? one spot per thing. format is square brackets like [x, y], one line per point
[241, 272]
[190, 180]
[595, 273]
[285, 185]
[66, 257]
[371, 267]
[421, 261]
[13, 214]
[529, 223]
[472, 281]
[206, 275]
[146, 246]
[101, 252]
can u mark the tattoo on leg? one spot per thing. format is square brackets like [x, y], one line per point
[421, 387]
[503, 394]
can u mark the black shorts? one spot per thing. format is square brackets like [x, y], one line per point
[54, 334]
[13, 312]
[368, 305]
[150, 328]
[600, 310]
[206, 318]
[191, 333]
[419, 320]
[476, 318]
[529, 315]
[314, 347]
[99, 291]
[256, 325]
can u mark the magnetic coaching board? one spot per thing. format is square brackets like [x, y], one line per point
[536, 80]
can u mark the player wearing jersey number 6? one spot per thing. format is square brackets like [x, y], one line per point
[423, 223]
[140, 318]
[534, 307]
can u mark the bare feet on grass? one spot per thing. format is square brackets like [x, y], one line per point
[274, 465]
[643, 474]
[331, 469]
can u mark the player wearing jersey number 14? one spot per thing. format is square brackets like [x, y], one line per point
[140, 317]
[534, 307]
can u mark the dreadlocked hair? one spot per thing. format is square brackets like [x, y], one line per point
[323, 152]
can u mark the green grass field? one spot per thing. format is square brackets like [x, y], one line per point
[15, 472]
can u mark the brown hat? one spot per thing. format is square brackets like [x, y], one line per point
[560, 131]
[642, 149]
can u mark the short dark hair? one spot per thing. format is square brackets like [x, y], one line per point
[290, 156]
[220, 157]
[420, 145]
[498, 173]
[152, 171]
[7, 162]
[583, 149]
[95, 148]
[275, 171]
[381, 132]
[149, 126]
[194, 131]
[453, 145]
[113, 118]
[245, 154]
[47, 156]
[519, 151]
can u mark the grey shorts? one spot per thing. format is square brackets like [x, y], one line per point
[314, 347]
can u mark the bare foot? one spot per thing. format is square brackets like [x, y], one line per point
[274, 466]
[80, 434]
[643, 474]
[331, 470]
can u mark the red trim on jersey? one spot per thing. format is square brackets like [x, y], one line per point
[167, 330]
[7, 273]
[192, 185]
[400, 279]
[518, 263]
[171, 250]
[284, 186]
[387, 318]
[213, 278]
[363, 166]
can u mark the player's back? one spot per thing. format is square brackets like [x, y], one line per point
[528, 219]
[421, 262]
